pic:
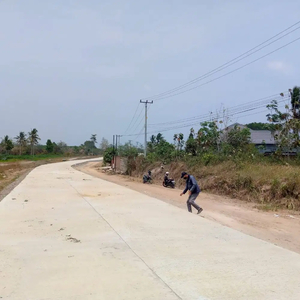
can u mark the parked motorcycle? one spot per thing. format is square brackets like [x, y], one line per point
[147, 178]
[169, 183]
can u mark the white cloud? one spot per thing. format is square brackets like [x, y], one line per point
[280, 66]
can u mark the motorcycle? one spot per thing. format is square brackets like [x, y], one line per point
[147, 178]
[169, 183]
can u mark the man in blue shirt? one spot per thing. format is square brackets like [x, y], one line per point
[194, 190]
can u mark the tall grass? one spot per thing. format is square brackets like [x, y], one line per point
[15, 158]
[270, 182]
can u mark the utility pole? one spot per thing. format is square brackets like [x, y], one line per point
[146, 106]
[116, 152]
[118, 136]
[119, 139]
[113, 164]
[117, 144]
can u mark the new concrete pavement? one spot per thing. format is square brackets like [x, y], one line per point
[65, 235]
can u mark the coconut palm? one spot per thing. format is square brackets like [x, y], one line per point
[94, 139]
[33, 139]
[295, 101]
[180, 141]
[153, 139]
[159, 138]
[21, 141]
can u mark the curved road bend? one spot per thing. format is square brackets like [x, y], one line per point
[65, 235]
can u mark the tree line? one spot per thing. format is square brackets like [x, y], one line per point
[24, 143]
[208, 141]
[29, 144]
[215, 141]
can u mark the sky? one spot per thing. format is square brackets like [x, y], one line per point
[74, 68]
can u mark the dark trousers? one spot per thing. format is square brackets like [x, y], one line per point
[191, 202]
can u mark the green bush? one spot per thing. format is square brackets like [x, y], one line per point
[108, 155]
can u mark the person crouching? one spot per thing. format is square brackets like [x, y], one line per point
[194, 190]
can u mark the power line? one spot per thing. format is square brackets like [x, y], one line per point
[193, 124]
[228, 65]
[141, 120]
[132, 119]
[139, 124]
[231, 62]
[135, 119]
[220, 68]
[255, 102]
[210, 115]
[237, 69]
[194, 80]
[139, 134]
[207, 119]
[138, 118]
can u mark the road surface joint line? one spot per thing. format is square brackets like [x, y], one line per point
[125, 241]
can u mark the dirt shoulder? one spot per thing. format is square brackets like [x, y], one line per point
[280, 228]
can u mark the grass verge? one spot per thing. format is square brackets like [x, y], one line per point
[271, 186]
[15, 158]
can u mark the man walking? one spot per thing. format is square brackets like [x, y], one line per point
[194, 190]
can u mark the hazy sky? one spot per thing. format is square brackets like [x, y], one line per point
[71, 68]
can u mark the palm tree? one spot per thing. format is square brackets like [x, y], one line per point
[153, 139]
[295, 101]
[94, 139]
[21, 140]
[180, 140]
[159, 138]
[8, 144]
[94, 142]
[33, 139]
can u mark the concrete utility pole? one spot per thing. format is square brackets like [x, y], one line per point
[146, 103]
[119, 139]
[118, 136]
[113, 162]
[116, 144]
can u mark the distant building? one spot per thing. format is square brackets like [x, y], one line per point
[262, 139]
[238, 125]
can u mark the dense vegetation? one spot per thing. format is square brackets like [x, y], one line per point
[225, 160]
[27, 147]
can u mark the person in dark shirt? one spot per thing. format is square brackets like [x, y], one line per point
[194, 190]
[166, 178]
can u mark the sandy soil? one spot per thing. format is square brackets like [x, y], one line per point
[280, 228]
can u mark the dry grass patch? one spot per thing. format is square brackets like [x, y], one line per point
[272, 186]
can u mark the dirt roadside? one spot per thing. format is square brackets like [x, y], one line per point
[280, 228]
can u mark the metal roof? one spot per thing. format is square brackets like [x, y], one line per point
[262, 136]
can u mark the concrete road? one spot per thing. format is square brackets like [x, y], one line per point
[65, 235]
